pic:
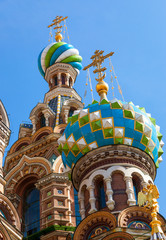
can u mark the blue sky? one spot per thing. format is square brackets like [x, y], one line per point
[134, 30]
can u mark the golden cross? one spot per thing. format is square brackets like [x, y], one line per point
[56, 23]
[97, 60]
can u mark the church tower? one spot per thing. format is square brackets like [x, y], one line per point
[114, 149]
[36, 181]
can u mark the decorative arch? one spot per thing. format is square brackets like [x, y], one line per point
[136, 213]
[38, 108]
[20, 142]
[97, 173]
[119, 236]
[57, 164]
[60, 128]
[10, 209]
[4, 232]
[40, 133]
[144, 177]
[97, 219]
[73, 103]
[84, 183]
[127, 172]
[37, 165]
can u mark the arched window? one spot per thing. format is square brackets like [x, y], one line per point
[101, 195]
[63, 79]
[42, 121]
[55, 81]
[31, 211]
[136, 186]
[71, 111]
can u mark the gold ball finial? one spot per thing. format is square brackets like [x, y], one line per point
[102, 86]
[102, 89]
[58, 37]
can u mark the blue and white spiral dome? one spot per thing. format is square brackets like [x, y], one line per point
[59, 52]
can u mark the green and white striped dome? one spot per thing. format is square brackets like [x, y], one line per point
[59, 52]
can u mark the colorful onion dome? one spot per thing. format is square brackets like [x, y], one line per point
[109, 123]
[59, 52]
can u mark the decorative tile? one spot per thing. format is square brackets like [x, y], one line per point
[92, 145]
[62, 140]
[145, 140]
[128, 114]
[71, 141]
[128, 141]
[118, 140]
[139, 117]
[65, 149]
[81, 143]
[94, 116]
[119, 132]
[84, 120]
[96, 125]
[139, 126]
[108, 132]
[147, 131]
[107, 123]
[74, 119]
[83, 112]
[85, 150]
[75, 149]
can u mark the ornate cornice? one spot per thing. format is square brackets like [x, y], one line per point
[63, 92]
[60, 68]
[58, 177]
[109, 156]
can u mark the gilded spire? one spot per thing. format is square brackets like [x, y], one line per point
[58, 27]
[148, 198]
[97, 60]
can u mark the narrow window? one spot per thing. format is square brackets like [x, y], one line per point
[101, 195]
[31, 211]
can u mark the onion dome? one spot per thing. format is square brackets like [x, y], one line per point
[110, 123]
[59, 52]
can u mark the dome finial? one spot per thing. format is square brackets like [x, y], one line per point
[58, 27]
[97, 60]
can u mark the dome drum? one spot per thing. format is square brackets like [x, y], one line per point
[56, 70]
[116, 155]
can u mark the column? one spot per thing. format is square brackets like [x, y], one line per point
[69, 204]
[46, 115]
[92, 199]
[66, 114]
[82, 207]
[2, 149]
[129, 190]
[34, 121]
[67, 79]
[58, 109]
[51, 83]
[110, 203]
[59, 82]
